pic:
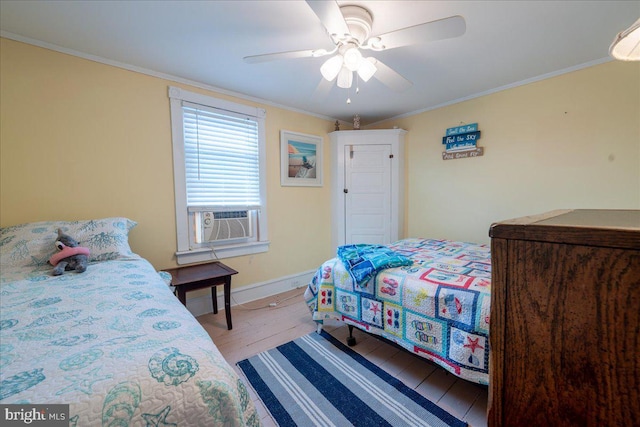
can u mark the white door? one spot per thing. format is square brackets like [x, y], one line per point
[367, 194]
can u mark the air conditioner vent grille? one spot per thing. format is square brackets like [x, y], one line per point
[227, 225]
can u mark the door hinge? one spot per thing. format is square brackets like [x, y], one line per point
[391, 156]
[345, 191]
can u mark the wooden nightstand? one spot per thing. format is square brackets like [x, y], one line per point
[192, 277]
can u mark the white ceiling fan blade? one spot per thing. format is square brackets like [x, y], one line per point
[281, 55]
[389, 77]
[441, 29]
[329, 14]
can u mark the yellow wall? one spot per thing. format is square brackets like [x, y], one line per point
[572, 141]
[81, 140]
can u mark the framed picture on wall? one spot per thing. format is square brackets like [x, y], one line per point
[300, 159]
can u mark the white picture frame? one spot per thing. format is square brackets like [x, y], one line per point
[300, 159]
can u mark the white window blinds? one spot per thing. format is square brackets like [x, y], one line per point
[221, 158]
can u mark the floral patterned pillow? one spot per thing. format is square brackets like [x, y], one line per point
[32, 244]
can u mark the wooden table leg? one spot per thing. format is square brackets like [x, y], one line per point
[227, 300]
[182, 296]
[214, 299]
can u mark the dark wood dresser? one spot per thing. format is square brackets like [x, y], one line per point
[565, 319]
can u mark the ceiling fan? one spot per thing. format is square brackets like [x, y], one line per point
[350, 29]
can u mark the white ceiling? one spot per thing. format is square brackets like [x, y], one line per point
[506, 43]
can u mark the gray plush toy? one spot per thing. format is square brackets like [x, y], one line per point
[70, 255]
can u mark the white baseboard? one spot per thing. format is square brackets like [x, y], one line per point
[202, 305]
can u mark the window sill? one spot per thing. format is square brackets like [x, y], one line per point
[206, 254]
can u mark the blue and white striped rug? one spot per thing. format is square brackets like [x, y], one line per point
[316, 380]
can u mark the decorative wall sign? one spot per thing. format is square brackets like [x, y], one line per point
[465, 137]
[457, 146]
[462, 129]
[462, 154]
[461, 142]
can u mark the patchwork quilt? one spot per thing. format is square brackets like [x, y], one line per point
[437, 307]
[113, 342]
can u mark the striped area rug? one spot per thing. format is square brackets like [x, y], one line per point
[316, 380]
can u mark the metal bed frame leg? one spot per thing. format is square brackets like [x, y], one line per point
[351, 340]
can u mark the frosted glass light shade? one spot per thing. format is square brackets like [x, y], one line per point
[345, 78]
[331, 67]
[366, 70]
[352, 58]
[626, 46]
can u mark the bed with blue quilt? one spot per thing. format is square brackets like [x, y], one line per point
[431, 297]
[113, 342]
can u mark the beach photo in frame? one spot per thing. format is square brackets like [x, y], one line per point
[300, 159]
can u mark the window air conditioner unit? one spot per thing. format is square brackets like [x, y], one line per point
[227, 225]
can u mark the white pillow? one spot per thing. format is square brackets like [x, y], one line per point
[32, 244]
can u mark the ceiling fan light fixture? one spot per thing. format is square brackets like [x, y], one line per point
[345, 78]
[352, 58]
[366, 70]
[626, 45]
[350, 29]
[331, 67]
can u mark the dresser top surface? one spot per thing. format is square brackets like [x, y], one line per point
[600, 227]
[596, 218]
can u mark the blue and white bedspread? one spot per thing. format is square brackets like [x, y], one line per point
[438, 307]
[115, 344]
[365, 261]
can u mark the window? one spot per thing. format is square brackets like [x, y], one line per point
[219, 176]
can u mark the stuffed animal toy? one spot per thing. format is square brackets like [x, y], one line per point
[71, 255]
